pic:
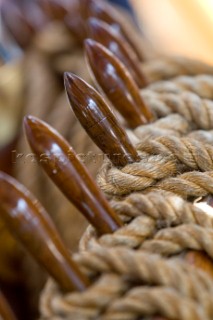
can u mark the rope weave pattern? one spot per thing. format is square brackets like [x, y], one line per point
[152, 197]
[194, 109]
[163, 68]
[173, 240]
[161, 158]
[134, 283]
[202, 85]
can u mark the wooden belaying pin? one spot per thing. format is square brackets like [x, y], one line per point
[55, 9]
[67, 12]
[103, 33]
[23, 21]
[5, 311]
[105, 12]
[99, 122]
[70, 175]
[30, 223]
[117, 84]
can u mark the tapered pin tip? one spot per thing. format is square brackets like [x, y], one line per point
[68, 78]
[89, 43]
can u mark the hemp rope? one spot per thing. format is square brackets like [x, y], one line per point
[170, 241]
[122, 291]
[202, 85]
[115, 300]
[161, 158]
[145, 214]
[163, 68]
[189, 105]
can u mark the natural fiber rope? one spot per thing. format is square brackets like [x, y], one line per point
[194, 109]
[165, 208]
[163, 68]
[170, 241]
[114, 295]
[202, 85]
[161, 158]
[145, 215]
[189, 185]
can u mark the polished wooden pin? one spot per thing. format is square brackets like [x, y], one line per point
[22, 21]
[117, 84]
[99, 122]
[30, 223]
[76, 25]
[5, 311]
[103, 33]
[55, 9]
[105, 12]
[70, 175]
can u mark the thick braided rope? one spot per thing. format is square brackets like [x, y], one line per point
[167, 209]
[188, 185]
[145, 301]
[171, 125]
[111, 297]
[169, 67]
[135, 234]
[160, 158]
[187, 104]
[145, 215]
[202, 85]
[170, 241]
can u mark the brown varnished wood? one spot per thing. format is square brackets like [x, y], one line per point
[105, 12]
[31, 225]
[70, 175]
[16, 24]
[6, 164]
[55, 9]
[117, 84]
[76, 25]
[103, 33]
[5, 311]
[99, 122]
[22, 21]
[75, 14]
[70, 13]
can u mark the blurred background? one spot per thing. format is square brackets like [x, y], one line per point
[38, 43]
[178, 26]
